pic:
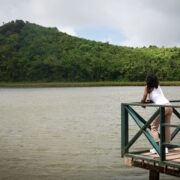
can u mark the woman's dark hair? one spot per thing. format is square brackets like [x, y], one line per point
[152, 81]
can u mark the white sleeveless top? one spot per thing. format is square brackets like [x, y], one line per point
[158, 97]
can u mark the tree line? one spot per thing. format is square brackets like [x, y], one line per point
[32, 53]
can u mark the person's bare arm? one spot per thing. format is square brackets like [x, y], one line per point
[143, 100]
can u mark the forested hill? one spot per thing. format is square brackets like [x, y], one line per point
[29, 52]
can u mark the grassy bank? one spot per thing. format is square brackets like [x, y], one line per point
[81, 84]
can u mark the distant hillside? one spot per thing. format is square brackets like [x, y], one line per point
[29, 52]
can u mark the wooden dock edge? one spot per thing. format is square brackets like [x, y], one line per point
[152, 166]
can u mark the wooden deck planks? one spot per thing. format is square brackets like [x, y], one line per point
[151, 162]
[173, 155]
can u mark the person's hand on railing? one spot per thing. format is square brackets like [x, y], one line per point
[142, 101]
[145, 102]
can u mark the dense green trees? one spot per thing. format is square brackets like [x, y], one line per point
[29, 52]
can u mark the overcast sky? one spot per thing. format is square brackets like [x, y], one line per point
[121, 22]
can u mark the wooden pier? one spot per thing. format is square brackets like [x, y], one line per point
[156, 163]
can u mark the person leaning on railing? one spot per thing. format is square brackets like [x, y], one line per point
[155, 93]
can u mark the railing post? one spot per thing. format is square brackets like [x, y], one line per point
[162, 133]
[124, 129]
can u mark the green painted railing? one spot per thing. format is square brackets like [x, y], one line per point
[144, 127]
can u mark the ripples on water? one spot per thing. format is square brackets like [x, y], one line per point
[67, 133]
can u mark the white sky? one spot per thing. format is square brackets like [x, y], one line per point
[121, 22]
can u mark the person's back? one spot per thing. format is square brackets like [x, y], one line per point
[157, 96]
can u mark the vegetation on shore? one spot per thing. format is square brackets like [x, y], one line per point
[82, 84]
[32, 53]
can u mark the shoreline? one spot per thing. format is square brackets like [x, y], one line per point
[82, 84]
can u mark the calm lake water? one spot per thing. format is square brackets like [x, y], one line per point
[68, 133]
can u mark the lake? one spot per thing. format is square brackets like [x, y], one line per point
[68, 133]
